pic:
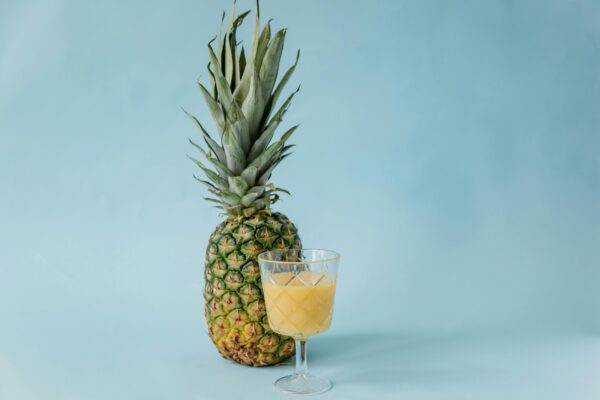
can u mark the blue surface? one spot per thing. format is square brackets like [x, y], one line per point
[448, 150]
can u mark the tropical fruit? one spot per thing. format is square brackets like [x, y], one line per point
[242, 101]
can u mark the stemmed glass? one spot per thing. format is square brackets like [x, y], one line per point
[299, 288]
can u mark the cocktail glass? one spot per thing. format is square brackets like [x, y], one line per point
[299, 289]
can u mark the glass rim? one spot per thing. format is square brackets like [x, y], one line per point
[335, 256]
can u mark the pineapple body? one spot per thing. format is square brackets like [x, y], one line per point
[235, 308]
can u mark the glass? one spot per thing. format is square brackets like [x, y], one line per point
[299, 288]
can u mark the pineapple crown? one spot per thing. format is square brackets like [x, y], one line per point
[242, 103]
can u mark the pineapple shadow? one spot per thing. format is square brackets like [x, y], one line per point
[391, 361]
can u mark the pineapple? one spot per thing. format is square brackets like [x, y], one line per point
[243, 104]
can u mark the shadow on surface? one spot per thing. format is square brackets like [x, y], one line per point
[396, 360]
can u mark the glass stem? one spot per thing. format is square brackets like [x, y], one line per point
[301, 363]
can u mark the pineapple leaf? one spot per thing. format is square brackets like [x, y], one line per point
[257, 21]
[247, 212]
[232, 72]
[196, 145]
[210, 186]
[242, 89]
[229, 47]
[284, 191]
[287, 147]
[249, 175]
[273, 100]
[238, 185]
[212, 81]
[234, 210]
[229, 59]
[270, 65]
[248, 199]
[263, 161]
[261, 204]
[213, 107]
[259, 190]
[212, 175]
[246, 87]
[273, 198]
[214, 200]
[233, 152]
[214, 146]
[274, 189]
[264, 178]
[254, 104]
[232, 110]
[266, 175]
[240, 19]
[257, 51]
[230, 107]
[265, 138]
[230, 23]
[271, 156]
[281, 111]
[263, 44]
[231, 198]
[222, 168]
[219, 40]
[287, 134]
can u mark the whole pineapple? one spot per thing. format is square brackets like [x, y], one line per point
[243, 105]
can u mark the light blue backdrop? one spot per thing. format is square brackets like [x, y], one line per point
[448, 150]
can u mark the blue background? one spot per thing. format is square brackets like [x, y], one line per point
[448, 150]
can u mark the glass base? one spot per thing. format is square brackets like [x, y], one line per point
[302, 384]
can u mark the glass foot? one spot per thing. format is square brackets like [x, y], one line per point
[302, 384]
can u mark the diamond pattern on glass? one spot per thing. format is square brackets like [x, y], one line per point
[299, 304]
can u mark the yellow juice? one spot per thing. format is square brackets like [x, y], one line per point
[299, 306]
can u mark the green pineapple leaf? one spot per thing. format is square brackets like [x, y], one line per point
[265, 138]
[234, 153]
[248, 199]
[238, 185]
[273, 99]
[209, 185]
[287, 134]
[215, 109]
[222, 168]
[229, 59]
[254, 104]
[249, 175]
[212, 175]
[263, 161]
[283, 108]
[270, 65]
[214, 146]
[233, 113]
[219, 40]
[231, 198]
[212, 200]
[242, 102]
[259, 46]
[258, 189]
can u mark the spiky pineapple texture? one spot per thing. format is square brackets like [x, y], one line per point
[235, 308]
[242, 103]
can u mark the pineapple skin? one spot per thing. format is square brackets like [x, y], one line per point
[234, 303]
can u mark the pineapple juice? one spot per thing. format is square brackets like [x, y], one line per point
[301, 305]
